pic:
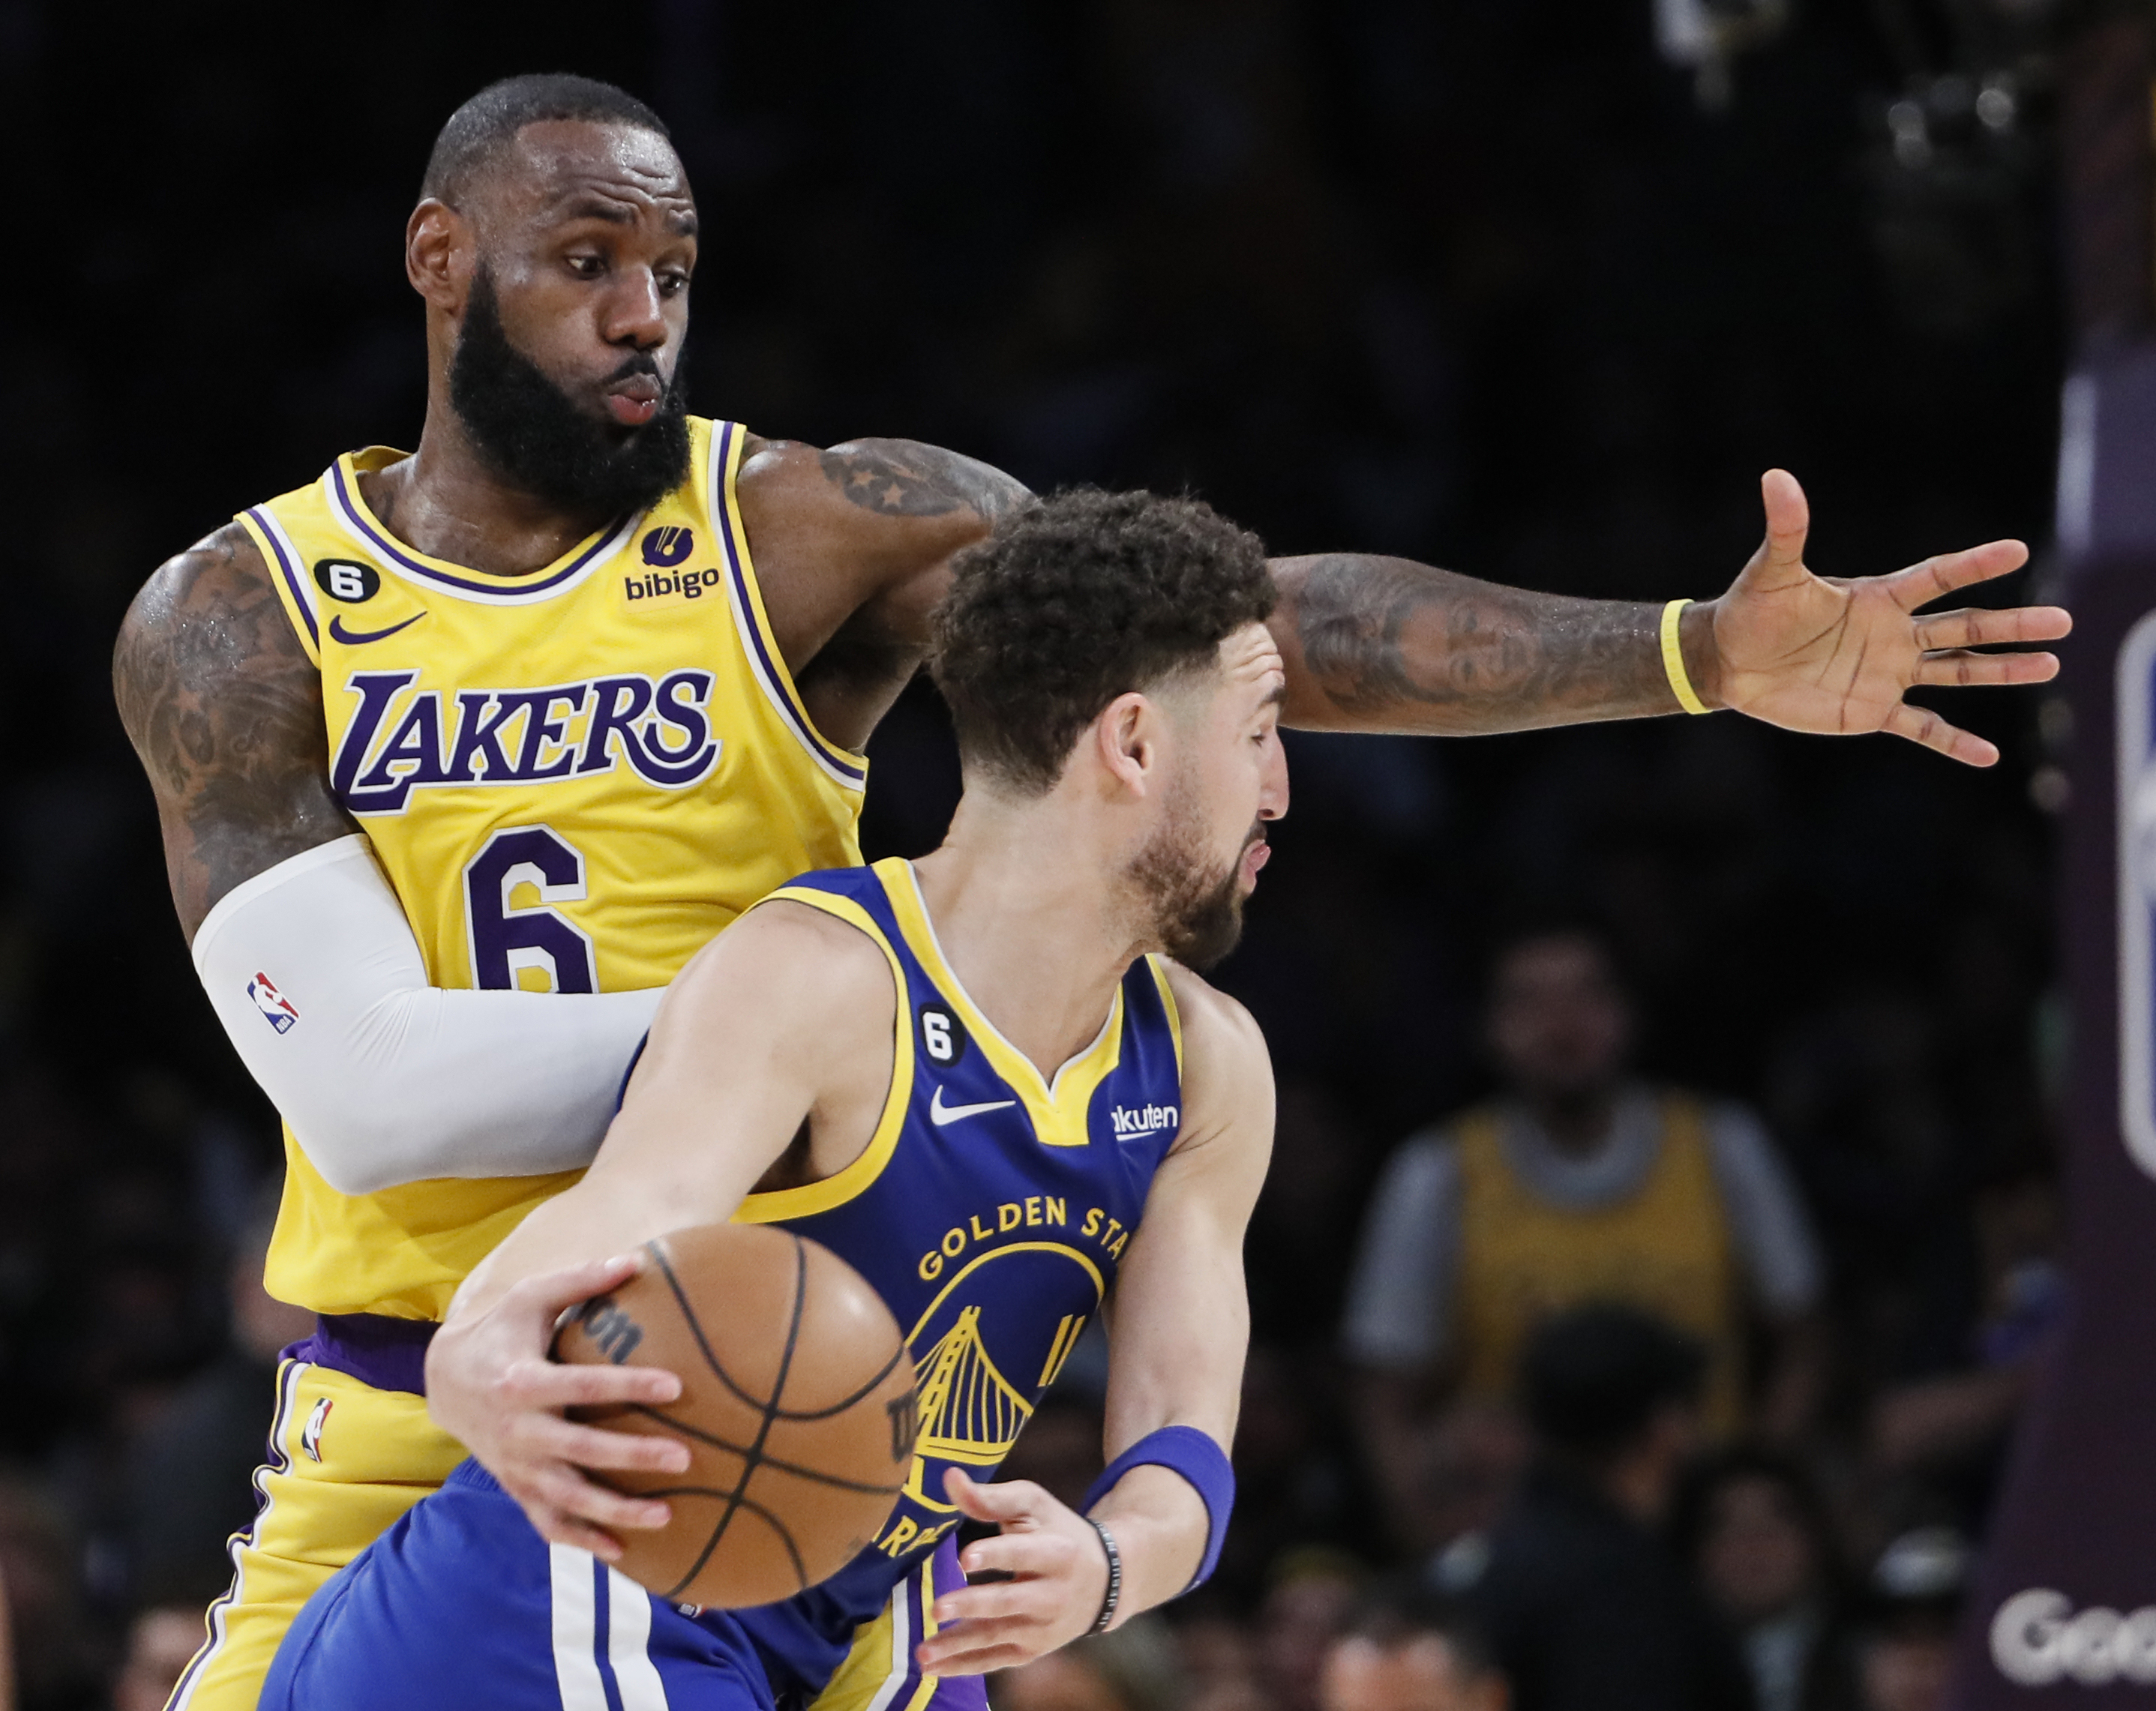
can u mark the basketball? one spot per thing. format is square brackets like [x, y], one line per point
[797, 1406]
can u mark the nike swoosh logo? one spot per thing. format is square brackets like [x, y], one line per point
[354, 638]
[940, 1114]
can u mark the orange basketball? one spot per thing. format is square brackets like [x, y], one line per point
[797, 1406]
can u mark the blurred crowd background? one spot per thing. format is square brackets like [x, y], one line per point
[1752, 1033]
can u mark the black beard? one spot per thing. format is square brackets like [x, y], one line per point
[1197, 910]
[532, 434]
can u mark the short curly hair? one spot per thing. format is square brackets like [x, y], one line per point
[1074, 600]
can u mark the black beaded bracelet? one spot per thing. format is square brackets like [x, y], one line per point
[1114, 1595]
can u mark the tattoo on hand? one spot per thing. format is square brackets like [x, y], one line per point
[225, 710]
[1399, 644]
[902, 478]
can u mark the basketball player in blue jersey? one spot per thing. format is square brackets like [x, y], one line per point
[987, 1079]
[460, 755]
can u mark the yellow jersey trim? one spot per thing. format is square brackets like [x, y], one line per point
[834, 1191]
[745, 595]
[1058, 1111]
[348, 506]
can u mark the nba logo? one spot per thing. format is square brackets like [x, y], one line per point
[310, 1434]
[2137, 892]
[275, 1008]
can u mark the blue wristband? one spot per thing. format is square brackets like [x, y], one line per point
[1192, 1454]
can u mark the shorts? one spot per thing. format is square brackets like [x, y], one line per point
[462, 1604]
[348, 1458]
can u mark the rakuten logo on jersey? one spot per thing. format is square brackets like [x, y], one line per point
[1136, 1122]
[519, 736]
[2037, 1639]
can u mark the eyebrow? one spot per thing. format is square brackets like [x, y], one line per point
[586, 206]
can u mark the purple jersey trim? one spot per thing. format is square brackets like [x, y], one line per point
[290, 571]
[775, 674]
[388, 1354]
[607, 542]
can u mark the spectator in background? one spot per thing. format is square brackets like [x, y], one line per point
[160, 1642]
[1905, 1649]
[190, 1472]
[1313, 1590]
[1752, 1528]
[1578, 1184]
[56, 1664]
[1946, 1422]
[1403, 1651]
[1584, 1607]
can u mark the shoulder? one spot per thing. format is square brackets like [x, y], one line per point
[789, 968]
[1738, 1143]
[209, 620]
[861, 479]
[224, 569]
[1220, 1036]
[1227, 1071]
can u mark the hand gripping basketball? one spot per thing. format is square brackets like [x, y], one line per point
[490, 1385]
[797, 1410]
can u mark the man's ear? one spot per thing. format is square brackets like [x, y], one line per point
[1126, 740]
[439, 255]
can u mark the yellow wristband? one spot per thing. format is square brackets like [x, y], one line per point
[1673, 660]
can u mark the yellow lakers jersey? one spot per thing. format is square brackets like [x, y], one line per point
[572, 779]
[1665, 1248]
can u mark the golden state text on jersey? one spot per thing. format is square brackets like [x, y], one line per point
[572, 779]
[993, 1206]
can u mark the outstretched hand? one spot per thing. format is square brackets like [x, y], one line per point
[1833, 656]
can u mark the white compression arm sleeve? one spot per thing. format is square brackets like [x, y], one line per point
[316, 976]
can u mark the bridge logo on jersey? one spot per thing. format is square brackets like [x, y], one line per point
[401, 739]
[994, 1337]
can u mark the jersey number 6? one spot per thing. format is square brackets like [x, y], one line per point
[507, 940]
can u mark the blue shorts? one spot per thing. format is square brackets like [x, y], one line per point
[461, 1605]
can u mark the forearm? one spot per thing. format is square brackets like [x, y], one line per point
[1385, 644]
[385, 1078]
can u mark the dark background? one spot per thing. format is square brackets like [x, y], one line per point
[1477, 281]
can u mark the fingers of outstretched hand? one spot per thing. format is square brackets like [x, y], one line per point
[1965, 670]
[1974, 627]
[1924, 582]
[1789, 517]
[1920, 725]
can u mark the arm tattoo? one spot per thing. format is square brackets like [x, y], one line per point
[225, 710]
[902, 478]
[1391, 645]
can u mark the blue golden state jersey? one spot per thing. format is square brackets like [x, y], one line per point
[990, 1210]
[571, 780]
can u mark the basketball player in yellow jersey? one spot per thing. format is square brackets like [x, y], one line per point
[458, 755]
